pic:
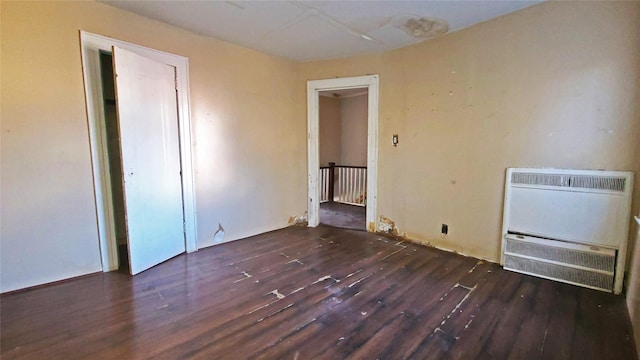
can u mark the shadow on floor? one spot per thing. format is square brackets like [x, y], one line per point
[343, 216]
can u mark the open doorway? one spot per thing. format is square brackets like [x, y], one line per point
[318, 189]
[343, 116]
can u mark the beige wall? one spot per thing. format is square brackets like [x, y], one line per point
[330, 120]
[555, 85]
[343, 130]
[249, 141]
[550, 86]
[354, 130]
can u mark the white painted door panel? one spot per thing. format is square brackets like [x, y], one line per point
[147, 115]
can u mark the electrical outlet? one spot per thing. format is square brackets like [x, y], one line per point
[445, 229]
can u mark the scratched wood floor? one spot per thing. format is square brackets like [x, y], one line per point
[302, 293]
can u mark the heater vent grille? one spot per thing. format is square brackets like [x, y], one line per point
[539, 179]
[559, 272]
[609, 183]
[598, 182]
[592, 260]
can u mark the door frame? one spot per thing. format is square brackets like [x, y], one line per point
[91, 44]
[314, 87]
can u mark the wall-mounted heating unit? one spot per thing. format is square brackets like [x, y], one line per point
[567, 225]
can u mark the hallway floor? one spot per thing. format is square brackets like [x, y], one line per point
[343, 216]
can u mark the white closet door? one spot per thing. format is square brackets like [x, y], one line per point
[148, 121]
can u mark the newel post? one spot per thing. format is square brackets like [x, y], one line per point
[331, 179]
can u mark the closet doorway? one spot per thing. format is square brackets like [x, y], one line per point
[141, 156]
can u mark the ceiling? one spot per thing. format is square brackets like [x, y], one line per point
[318, 30]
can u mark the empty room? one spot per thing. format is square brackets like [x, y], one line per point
[319, 179]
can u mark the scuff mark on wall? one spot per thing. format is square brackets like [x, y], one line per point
[605, 130]
[300, 220]
[218, 236]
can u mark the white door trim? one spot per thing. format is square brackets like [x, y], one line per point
[314, 87]
[91, 45]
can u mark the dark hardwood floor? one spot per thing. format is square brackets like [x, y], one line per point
[303, 293]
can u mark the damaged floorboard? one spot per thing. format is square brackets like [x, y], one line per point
[302, 293]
